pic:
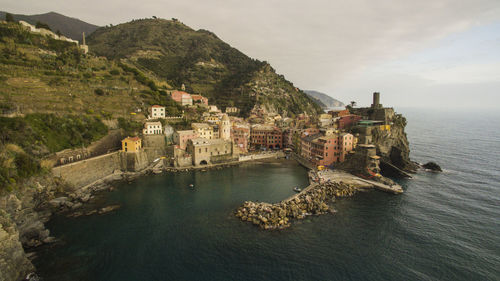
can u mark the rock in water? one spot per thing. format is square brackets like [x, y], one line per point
[432, 166]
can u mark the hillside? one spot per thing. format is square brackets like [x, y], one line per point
[177, 54]
[69, 27]
[325, 99]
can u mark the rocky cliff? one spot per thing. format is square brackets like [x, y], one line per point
[393, 146]
[23, 214]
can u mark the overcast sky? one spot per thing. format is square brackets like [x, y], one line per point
[440, 53]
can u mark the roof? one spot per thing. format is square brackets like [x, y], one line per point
[157, 105]
[197, 97]
[203, 141]
[132, 139]
[311, 137]
[199, 125]
[186, 132]
[153, 123]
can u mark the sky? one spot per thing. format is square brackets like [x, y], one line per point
[428, 53]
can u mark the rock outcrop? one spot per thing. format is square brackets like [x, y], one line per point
[14, 264]
[312, 201]
[433, 166]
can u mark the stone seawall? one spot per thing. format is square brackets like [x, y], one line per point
[85, 172]
[311, 201]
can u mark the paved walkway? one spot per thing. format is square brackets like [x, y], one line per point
[340, 176]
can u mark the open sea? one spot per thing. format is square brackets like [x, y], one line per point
[445, 226]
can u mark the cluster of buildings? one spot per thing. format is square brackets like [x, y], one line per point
[322, 140]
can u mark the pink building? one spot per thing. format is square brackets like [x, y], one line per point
[326, 150]
[182, 97]
[241, 136]
[181, 137]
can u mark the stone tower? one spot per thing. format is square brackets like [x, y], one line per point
[376, 100]
[225, 128]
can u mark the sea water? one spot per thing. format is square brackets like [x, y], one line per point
[445, 226]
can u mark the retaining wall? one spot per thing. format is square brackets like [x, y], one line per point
[82, 173]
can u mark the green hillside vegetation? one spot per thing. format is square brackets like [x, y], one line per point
[177, 54]
[57, 98]
[40, 74]
[26, 140]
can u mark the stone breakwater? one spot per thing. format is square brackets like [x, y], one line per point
[311, 201]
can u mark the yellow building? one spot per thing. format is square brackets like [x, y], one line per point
[131, 144]
[204, 130]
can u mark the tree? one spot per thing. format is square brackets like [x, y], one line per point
[353, 103]
[58, 32]
[9, 17]
[42, 25]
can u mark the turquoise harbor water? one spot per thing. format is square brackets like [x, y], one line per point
[444, 227]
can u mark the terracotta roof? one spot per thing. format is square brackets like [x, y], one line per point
[157, 106]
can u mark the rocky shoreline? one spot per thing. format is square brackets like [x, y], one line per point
[314, 200]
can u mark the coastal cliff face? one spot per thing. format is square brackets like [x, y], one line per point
[22, 218]
[14, 264]
[393, 145]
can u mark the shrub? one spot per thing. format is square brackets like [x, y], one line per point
[99, 92]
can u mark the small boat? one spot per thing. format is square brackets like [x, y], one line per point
[191, 185]
[296, 189]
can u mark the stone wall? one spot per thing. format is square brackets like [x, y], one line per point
[85, 172]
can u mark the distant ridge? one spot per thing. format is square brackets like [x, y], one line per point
[69, 27]
[325, 100]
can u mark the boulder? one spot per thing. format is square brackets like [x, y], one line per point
[433, 166]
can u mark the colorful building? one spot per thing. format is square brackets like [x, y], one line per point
[204, 130]
[182, 137]
[326, 150]
[131, 144]
[182, 97]
[266, 136]
[241, 137]
[347, 121]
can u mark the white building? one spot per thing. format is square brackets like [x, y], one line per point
[152, 128]
[157, 111]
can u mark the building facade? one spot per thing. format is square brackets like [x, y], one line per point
[152, 128]
[157, 111]
[205, 151]
[182, 137]
[240, 136]
[327, 150]
[204, 130]
[182, 97]
[131, 144]
[266, 136]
